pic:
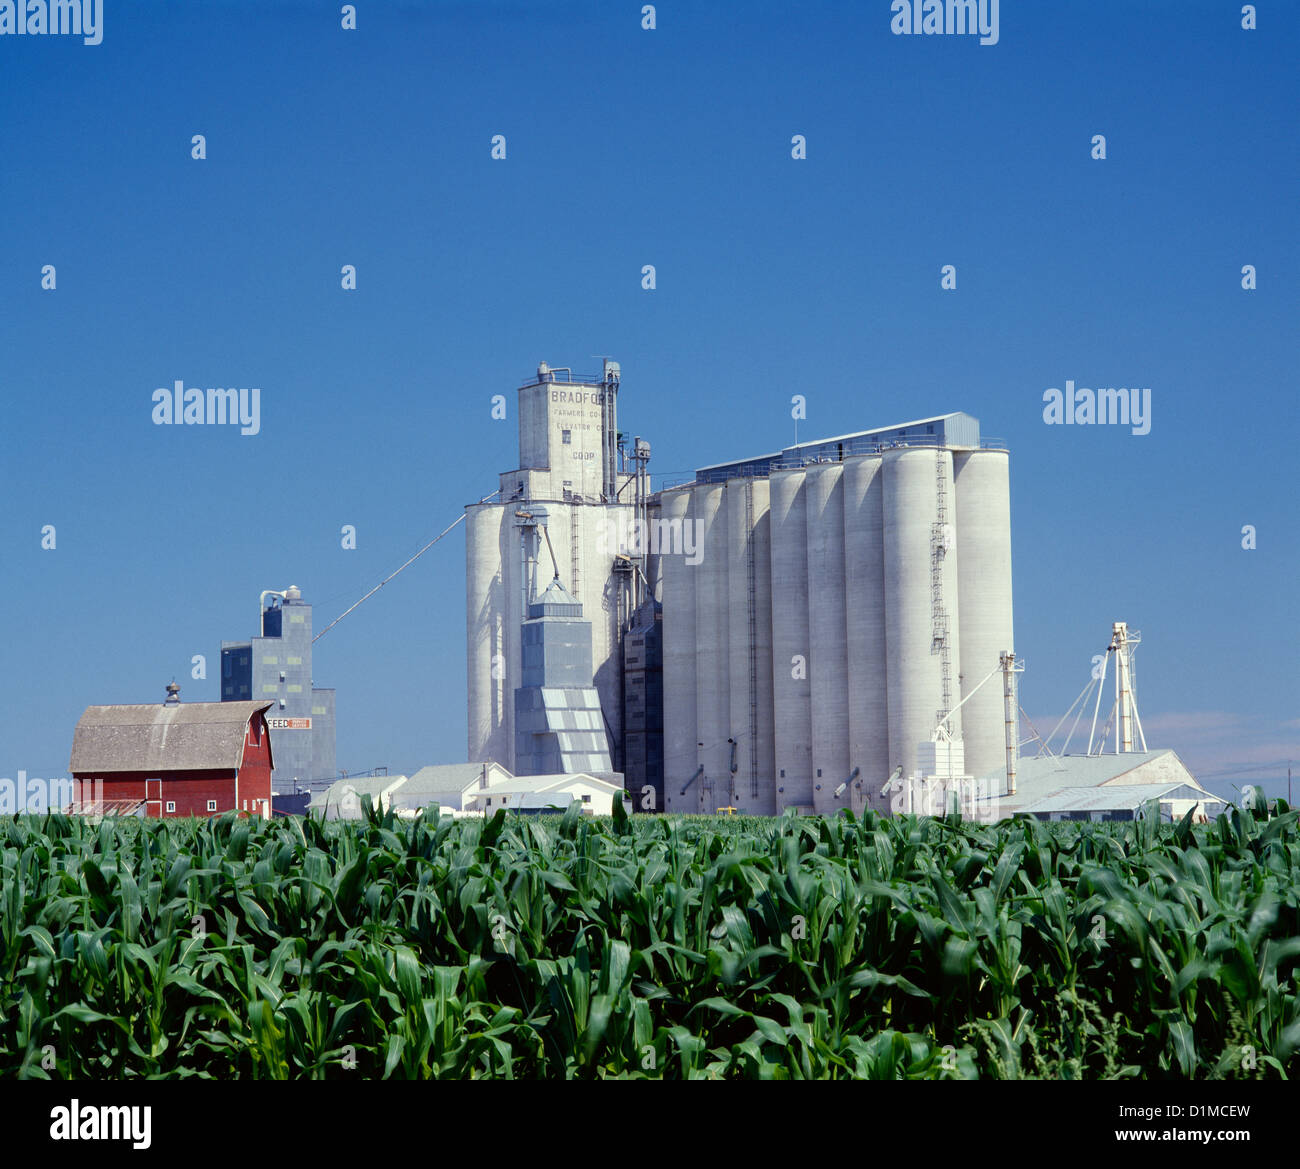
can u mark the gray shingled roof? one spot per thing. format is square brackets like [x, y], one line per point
[186, 736]
[441, 779]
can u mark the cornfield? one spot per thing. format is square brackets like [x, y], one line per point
[566, 947]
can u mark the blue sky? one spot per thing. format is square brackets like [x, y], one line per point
[775, 276]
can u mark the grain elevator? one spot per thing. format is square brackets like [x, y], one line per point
[563, 516]
[789, 630]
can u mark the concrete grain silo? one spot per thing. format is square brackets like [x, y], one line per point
[983, 526]
[749, 640]
[922, 641]
[828, 659]
[681, 727]
[491, 708]
[792, 689]
[865, 642]
[712, 656]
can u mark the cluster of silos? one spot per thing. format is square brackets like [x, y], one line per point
[837, 613]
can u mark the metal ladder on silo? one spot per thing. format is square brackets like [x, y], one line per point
[938, 611]
[575, 550]
[752, 602]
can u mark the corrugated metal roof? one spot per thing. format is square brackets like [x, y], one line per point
[738, 462]
[185, 736]
[1116, 797]
[127, 807]
[1040, 777]
[816, 442]
[541, 783]
[874, 430]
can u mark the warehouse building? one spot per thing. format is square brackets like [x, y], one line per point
[276, 667]
[469, 789]
[1107, 785]
[1168, 802]
[173, 758]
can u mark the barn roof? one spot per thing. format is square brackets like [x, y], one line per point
[185, 736]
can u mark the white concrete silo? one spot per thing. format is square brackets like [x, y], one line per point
[592, 536]
[712, 641]
[984, 598]
[485, 622]
[864, 571]
[764, 748]
[750, 643]
[920, 599]
[677, 591]
[828, 659]
[792, 693]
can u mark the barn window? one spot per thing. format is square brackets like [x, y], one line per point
[212, 805]
[171, 805]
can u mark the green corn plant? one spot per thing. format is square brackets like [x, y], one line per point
[649, 947]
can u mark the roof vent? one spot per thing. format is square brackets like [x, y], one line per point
[293, 593]
[173, 694]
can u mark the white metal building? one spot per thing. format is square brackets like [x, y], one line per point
[469, 789]
[1040, 782]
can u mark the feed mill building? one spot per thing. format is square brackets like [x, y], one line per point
[276, 668]
[787, 630]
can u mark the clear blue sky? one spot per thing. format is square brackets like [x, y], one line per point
[775, 276]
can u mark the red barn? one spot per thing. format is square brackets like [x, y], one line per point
[173, 759]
